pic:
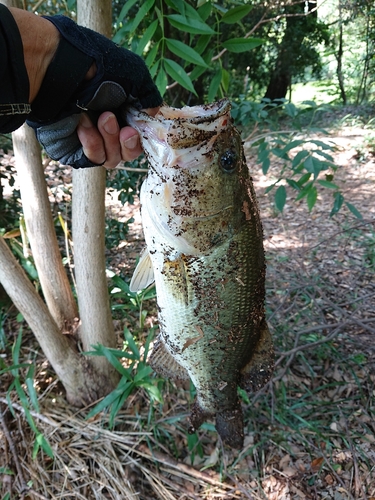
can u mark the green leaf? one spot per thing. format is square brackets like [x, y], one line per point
[312, 196]
[122, 386]
[225, 79]
[178, 73]
[131, 343]
[304, 179]
[266, 165]
[178, 5]
[292, 145]
[127, 6]
[304, 192]
[291, 110]
[280, 198]
[202, 43]
[300, 156]
[16, 348]
[337, 204]
[353, 210]
[214, 86]
[150, 58]
[189, 25]
[238, 45]
[236, 14]
[153, 392]
[144, 8]
[294, 184]
[161, 81]
[314, 166]
[204, 9]
[328, 184]
[144, 371]
[146, 37]
[185, 52]
[44, 444]
[31, 389]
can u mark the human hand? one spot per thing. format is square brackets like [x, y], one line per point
[120, 80]
[107, 144]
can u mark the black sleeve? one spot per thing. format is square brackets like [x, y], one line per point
[14, 82]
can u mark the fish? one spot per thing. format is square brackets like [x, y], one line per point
[204, 251]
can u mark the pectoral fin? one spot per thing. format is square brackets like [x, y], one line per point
[260, 367]
[162, 361]
[144, 273]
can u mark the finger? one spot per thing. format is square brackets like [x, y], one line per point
[110, 130]
[91, 140]
[129, 139]
[130, 144]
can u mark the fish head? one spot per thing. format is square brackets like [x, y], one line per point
[197, 173]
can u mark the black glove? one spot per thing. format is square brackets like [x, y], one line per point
[122, 80]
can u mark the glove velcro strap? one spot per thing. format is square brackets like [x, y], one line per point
[63, 76]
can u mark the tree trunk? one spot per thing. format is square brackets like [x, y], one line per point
[88, 217]
[85, 379]
[339, 56]
[40, 228]
[81, 385]
[281, 77]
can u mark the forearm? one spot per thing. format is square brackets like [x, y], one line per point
[40, 39]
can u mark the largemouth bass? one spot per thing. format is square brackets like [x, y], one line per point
[205, 252]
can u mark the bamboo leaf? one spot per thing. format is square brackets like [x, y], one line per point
[178, 73]
[238, 45]
[236, 14]
[185, 52]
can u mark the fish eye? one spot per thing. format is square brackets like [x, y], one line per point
[228, 161]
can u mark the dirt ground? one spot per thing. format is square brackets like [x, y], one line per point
[310, 433]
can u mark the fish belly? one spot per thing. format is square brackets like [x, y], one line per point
[210, 309]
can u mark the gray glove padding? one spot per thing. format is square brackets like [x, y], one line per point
[60, 139]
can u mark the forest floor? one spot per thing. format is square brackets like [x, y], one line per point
[310, 433]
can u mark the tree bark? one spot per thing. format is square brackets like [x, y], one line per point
[88, 218]
[81, 385]
[40, 228]
[281, 77]
[339, 56]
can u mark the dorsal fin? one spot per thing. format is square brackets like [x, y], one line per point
[144, 273]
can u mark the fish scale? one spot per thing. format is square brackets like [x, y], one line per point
[205, 252]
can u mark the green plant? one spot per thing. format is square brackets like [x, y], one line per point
[29, 398]
[304, 164]
[135, 374]
[123, 300]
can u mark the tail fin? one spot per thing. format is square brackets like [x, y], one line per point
[229, 425]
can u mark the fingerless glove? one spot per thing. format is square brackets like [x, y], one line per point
[121, 80]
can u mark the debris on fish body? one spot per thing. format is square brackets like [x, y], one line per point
[205, 252]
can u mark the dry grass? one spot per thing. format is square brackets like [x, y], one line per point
[309, 434]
